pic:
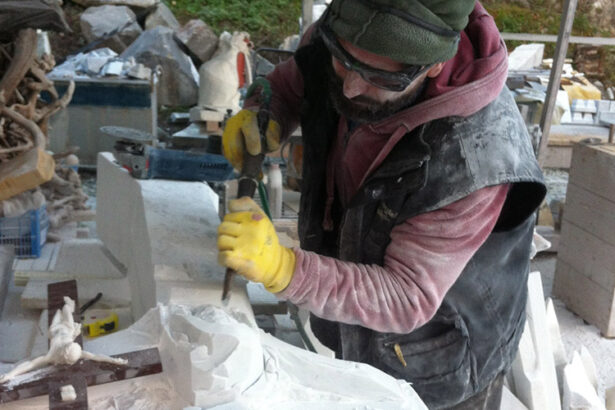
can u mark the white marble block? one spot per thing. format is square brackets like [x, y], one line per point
[164, 232]
[578, 390]
[534, 368]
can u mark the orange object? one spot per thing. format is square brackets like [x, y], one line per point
[25, 172]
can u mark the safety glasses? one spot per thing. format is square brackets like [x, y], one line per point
[386, 80]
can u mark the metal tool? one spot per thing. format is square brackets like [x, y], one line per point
[144, 157]
[251, 167]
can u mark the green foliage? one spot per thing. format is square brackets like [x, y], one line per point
[267, 21]
[608, 61]
[541, 18]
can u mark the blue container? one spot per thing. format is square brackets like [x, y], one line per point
[27, 233]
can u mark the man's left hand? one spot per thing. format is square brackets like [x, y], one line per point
[248, 243]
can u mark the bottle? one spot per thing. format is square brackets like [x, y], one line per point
[274, 190]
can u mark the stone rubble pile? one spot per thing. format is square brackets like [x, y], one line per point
[130, 38]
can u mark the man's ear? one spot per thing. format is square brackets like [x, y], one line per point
[435, 70]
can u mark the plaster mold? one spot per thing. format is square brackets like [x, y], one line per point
[217, 358]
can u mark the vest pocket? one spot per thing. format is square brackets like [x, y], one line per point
[433, 365]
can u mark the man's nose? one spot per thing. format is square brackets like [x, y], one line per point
[354, 85]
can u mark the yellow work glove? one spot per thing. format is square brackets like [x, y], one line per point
[247, 243]
[241, 134]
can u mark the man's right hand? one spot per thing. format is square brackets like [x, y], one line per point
[241, 134]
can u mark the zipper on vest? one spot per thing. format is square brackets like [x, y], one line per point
[399, 354]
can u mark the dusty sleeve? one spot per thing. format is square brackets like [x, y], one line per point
[426, 255]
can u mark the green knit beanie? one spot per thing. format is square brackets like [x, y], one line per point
[409, 31]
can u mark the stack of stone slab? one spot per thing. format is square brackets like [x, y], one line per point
[542, 376]
[585, 272]
[592, 111]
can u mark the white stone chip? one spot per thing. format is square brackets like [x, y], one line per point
[578, 390]
[68, 393]
[510, 401]
[590, 367]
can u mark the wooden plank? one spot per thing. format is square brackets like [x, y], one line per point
[116, 293]
[21, 278]
[594, 213]
[552, 38]
[585, 297]
[593, 168]
[140, 363]
[24, 172]
[587, 255]
[570, 134]
[556, 73]
[558, 157]
[81, 390]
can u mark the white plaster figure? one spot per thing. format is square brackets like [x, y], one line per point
[62, 348]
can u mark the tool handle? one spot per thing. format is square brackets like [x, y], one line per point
[248, 181]
[250, 172]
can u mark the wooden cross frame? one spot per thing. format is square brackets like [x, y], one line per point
[49, 380]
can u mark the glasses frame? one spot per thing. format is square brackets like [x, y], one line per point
[399, 80]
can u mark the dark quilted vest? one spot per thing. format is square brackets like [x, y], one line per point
[475, 333]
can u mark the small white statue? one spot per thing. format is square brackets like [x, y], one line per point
[62, 348]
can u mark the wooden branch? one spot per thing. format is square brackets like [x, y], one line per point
[43, 83]
[27, 110]
[70, 151]
[40, 141]
[61, 202]
[19, 148]
[25, 51]
[20, 98]
[57, 105]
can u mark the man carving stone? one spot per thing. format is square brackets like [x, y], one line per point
[419, 185]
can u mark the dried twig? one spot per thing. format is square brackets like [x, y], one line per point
[25, 51]
[57, 105]
[70, 151]
[39, 138]
[18, 148]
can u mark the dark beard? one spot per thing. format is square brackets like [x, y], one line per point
[363, 109]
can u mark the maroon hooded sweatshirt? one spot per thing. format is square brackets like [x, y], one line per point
[428, 252]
